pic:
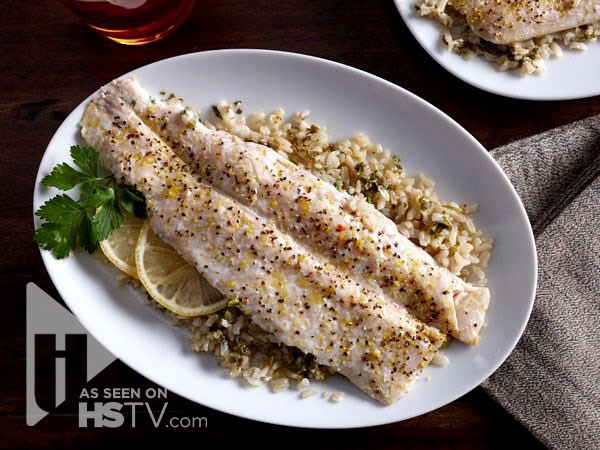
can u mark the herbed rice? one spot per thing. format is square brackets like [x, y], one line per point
[364, 169]
[526, 57]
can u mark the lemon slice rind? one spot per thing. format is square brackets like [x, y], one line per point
[171, 281]
[119, 247]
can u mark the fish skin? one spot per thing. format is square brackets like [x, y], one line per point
[312, 211]
[282, 287]
[511, 21]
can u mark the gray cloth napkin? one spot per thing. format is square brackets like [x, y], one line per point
[551, 382]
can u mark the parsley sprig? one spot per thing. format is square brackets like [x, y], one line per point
[98, 212]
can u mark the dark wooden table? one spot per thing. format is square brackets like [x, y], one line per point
[50, 62]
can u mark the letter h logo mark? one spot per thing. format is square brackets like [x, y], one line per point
[46, 317]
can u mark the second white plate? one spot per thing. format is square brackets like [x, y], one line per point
[575, 75]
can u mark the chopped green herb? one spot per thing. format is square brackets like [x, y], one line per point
[91, 219]
[424, 203]
[437, 227]
[452, 207]
[217, 112]
[397, 162]
[338, 185]
[243, 349]
[373, 183]
[133, 102]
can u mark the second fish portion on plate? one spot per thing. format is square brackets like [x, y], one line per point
[561, 65]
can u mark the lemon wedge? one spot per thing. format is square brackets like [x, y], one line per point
[171, 281]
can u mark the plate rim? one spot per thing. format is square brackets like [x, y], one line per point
[47, 256]
[409, 23]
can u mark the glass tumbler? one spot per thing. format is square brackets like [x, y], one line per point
[132, 22]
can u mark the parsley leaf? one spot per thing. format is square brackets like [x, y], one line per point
[131, 201]
[107, 219]
[61, 209]
[64, 177]
[86, 235]
[86, 189]
[86, 158]
[98, 212]
[100, 197]
[60, 238]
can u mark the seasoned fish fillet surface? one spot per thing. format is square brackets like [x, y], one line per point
[280, 285]
[346, 231]
[510, 21]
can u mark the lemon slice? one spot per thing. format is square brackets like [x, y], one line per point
[171, 281]
[119, 247]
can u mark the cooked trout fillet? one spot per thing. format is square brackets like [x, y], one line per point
[510, 21]
[346, 231]
[303, 301]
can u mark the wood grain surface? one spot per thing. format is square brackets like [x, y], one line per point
[50, 62]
